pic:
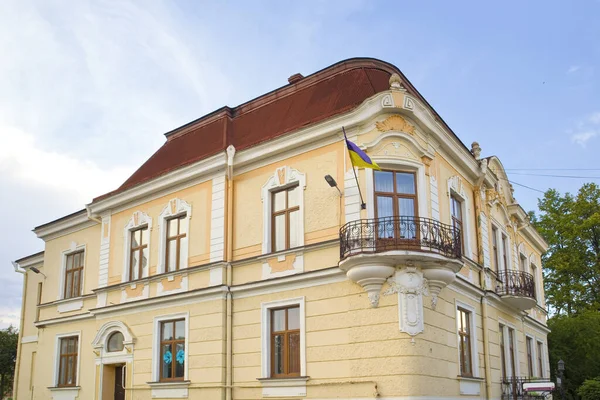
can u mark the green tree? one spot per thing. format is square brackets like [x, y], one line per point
[590, 390]
[576, 340]
[8, 355]
[571, 226]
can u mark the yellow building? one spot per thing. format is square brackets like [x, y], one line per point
[227, 267]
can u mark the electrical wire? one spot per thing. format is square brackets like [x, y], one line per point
[527, 187]
[552, 169]
[557, 176]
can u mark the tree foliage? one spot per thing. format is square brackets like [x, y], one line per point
[590, 390]
[8, 355]
[576, 340]
[571, 226]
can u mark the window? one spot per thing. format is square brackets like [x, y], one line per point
[115, 342]
[73, 275]
[511, 350]
[283, 339]
[285, 218]
[464, 336]
[523, 260]
[530, 356]
[285, 342]
[504, 252]
[67, 372]
[457, 218]
[138, 252]
[502, 352]
[540, 352]
[176, 233]
[495, 248]
[534, 274]
[39, 300]
[396, 199]
[172, 350]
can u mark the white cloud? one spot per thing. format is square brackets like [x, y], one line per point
[573, 69]
[586, 129]
[582, 138]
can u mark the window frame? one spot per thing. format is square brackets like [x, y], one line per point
[285, 211]
[173, 342]
[72, 272]
[156, 346]
[464, 332]
[179, 238]
[176, 208]
[495, 248]
[501, 339]
[530, 354]
[286, 333]
[473, 341]
[281, 178]
[58, 357]
[74, 248]
[110, 336]
[540, 357]
[266, 349]
[138, 220]
[457, 202]
[140, 249]
[505, 254]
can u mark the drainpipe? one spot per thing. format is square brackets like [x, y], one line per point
[486, 347]
[22, 320]
[229, 276]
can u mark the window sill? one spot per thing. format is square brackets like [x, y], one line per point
[64, 392]
[70, 304]
[284, 387]
[469, 378]
[170, 390]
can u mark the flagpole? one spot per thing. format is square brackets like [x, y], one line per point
[363, 205]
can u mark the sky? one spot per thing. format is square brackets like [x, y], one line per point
[87, 88]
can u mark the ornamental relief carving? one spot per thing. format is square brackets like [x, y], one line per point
[395, 123]
[395, 149]
[410, 286]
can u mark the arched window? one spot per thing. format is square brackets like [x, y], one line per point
[115, 342]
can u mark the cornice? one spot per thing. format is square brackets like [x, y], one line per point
[29, 261]
[64, 226]
[162, 183]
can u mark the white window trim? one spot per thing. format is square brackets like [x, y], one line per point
[282, 178]
[266, 334]
[138, 220]
[156, 344]
[533, 354]
[57, 339]
[174, 209]
[61, 284]
[473, 332]
[537, 278]
[458, 190]
[501, 232]
[398, 165]
[542, 373]
[507, 325]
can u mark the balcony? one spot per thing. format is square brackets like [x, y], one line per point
[517, 288]
[372, 249]
[521, 388]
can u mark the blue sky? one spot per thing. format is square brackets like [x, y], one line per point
[88, 88]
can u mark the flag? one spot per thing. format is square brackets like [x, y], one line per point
[359, 158]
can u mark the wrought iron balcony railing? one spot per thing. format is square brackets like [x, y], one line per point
[399, 233]
[516, 283]
[513, 389]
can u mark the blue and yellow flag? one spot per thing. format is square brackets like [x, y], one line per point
[359, 158]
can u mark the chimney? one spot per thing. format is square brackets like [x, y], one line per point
[295, 78]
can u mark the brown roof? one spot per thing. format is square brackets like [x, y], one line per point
[331, 91]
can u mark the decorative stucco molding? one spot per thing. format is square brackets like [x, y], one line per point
[217, 220]
[395, 123]
[410, 285]
[137, 220]
[104, 252]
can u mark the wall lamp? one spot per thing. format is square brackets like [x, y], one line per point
[37, 271]
[332, 183]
